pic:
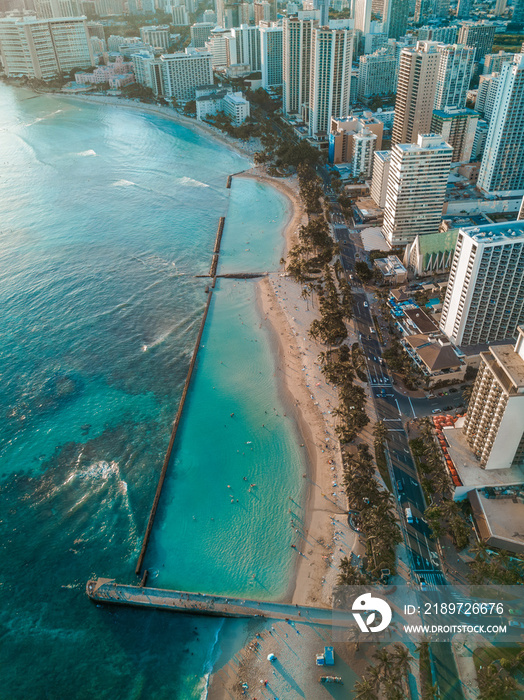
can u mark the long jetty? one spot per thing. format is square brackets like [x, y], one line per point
[107, 591]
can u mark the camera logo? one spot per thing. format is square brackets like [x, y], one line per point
[366, 602]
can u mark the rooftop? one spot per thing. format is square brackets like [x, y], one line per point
[432, 243]
[421, 320]
[507, 366]
[496, 233]
[472, 475]
[500, 518]
[435, 351]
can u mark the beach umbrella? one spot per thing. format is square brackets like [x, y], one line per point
[271, 657]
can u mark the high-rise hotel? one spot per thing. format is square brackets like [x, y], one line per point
[44, 48]
[485, 296]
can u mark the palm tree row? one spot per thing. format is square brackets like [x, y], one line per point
[389, 675]
[376, 509]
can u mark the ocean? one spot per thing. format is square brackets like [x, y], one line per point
[106, 216]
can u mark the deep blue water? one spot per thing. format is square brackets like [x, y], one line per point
[106, 215]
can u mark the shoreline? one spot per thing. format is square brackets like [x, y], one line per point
[244, 149]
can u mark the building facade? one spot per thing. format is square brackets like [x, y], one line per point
[502, 167]
[44, 48]
[329, 92]
[379, 181]
[271, 56]
[182, 73]
[457, 127]
[296, 68]
[377, 75]
[416, 188]
[157, 37]
[416, 88]
[485, 296]
[454, 75]
[478, 34]
[245, 46]
[494, 424]
[200, 33]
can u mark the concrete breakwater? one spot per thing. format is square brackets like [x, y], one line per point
[216, 251]
[108, 591]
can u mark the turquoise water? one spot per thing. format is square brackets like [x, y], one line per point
[106, 215]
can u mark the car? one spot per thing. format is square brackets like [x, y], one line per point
[400, 486]
[516, 623]
[447, 408]
[440, 393]
[436, 410]
[366, 304]
[423, 584]
[453, 390]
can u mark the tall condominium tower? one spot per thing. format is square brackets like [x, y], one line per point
[416, 188]
[44, 48]
[379, 181]
[477, 34]
[245, 46]
[200, 33]
[181, 73]
[416, 86]
[296, 67]
[329, 91]
[494, 424]
[493, 62]
[518, 11]
[485, 296]
[486, 94]
[271, 56]
[363, 15]
[502, 168]
[464, 9]
[454, 75]
[397, 18]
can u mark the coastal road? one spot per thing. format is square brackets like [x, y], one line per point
[396, 410]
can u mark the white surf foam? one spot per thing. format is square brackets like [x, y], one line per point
[87, 153]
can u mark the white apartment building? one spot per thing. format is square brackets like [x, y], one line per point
[157, 37]
[44, 48]
[46, 9]
[329, 91]
[457, 127]
[180, 16]
[416, 188]
[444, 35]
[296, 48]
[377, 74]
[362, 15]
[183, 72]
[454, 75]
[379, 181]
[479, 142]
[244, 46]
[218, 46]
[502, 168]
[215, 100]
[271, 56]
[493, 62]
[200, 33]
[416, 87]
[486, 94]
[485, 296]
[494, 424]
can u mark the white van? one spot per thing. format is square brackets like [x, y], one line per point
[409, 515]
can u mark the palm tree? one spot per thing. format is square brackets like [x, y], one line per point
[479, 550]
[380, 432]
[402, 659]
[385, 662]
[365, 690]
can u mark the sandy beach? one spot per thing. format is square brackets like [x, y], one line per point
[321, 524]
